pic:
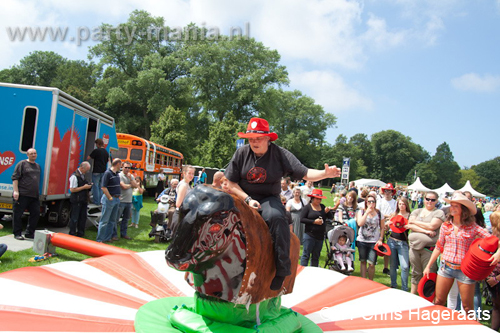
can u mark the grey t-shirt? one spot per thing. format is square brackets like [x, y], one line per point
[420, 240]
[28, 176]
[126, 195]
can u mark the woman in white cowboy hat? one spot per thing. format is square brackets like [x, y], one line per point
[254, 174]
[456, 236]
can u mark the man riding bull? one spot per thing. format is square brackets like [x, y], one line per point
[254, 175]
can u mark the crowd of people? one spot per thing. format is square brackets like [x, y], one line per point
[417, 227]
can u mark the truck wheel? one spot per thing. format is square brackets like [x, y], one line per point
[60, 213]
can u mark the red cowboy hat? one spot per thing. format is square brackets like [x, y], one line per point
[256, 128]
[427, 287]
[383, 250]
[398, 224]
[389, 187]
[317, 193]
[476, 263]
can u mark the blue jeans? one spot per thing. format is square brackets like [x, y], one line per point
[136, 214]
[311, 248]
[123, 212]
[400, 254]
[109, 218]
[3, 248]
[96, 187]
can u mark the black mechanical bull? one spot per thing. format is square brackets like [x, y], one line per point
[209, 242]
[227, 248]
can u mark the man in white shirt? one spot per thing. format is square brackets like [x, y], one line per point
[387, 206]
[414, 199]
[306, 190]
[79, 188]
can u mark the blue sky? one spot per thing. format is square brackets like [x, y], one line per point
[429, 69]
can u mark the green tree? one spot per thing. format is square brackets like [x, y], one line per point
[171, 131]
[77, 78]
[395, 155]
[137, 84]
[39, 68]
[300, 123]
[445, 167]
[220, 146]
[229, 75]
[489, 177]
[469, 175]
[426, 173]
[362, 152]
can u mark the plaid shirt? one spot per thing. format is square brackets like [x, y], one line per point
[454, 247]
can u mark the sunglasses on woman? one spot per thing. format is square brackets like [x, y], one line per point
[431, 200]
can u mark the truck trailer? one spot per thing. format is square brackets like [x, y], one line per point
[63, 131]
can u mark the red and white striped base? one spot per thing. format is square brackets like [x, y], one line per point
[103, 295]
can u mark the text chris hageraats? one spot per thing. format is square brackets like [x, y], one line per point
[433, 315]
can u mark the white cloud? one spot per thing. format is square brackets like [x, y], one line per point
[474, 82]
[330, 91]
[378, 36]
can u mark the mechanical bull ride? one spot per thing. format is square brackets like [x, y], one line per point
[227, 249]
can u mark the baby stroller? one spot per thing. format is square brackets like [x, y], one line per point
[159, 225]
[331, 239]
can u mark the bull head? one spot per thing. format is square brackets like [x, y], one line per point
[206, 219]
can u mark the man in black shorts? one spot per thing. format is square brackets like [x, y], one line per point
[254, 175]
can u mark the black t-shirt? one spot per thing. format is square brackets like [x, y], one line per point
[308, 215]
[101, 157]
[28, 178]
[261, 177]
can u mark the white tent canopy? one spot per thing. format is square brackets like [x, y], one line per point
[468, 187]
[369, 182]
[444, 189]
[418, 186]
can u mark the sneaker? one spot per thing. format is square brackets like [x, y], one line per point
[350, 269]
[136, 226]
[130, 225]
[30, 236]
[386, 271]
[19, 237]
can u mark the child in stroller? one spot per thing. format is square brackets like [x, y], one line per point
[343, 253]
[340, 252]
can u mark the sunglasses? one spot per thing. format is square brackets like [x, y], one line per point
[371, 201]
[431, 200]
[126, 167]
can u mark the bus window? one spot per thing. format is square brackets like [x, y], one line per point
[136, 154]
[151, 157]
[121, 153]
[169, 161]
[158, 159]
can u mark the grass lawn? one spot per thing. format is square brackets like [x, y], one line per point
[141, 242]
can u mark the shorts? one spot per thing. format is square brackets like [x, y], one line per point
[452, 273]
[366, 252]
